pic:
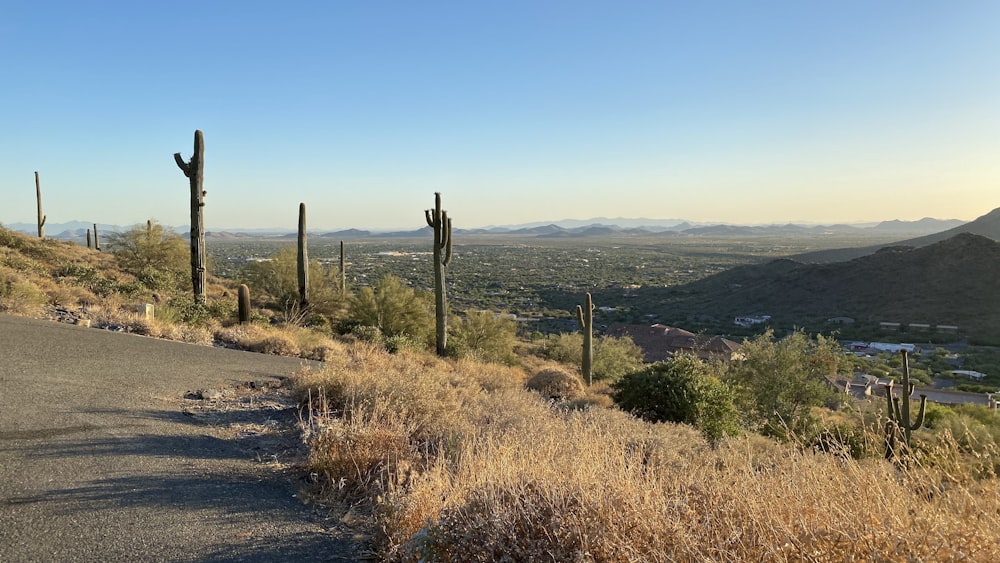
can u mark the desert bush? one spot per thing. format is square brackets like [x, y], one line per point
[556, 384]
[613, 357]
[682, 389]
[159, 258]
[483, 335]
[18, 295]
[780, 381]
[394, 309]
[275, 284]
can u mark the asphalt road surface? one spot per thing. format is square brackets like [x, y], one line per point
[98, 463]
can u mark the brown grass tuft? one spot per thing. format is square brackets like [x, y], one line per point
[556, 384]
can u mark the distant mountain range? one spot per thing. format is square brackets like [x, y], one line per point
[569, 228]
[950, 282]
[988, 226]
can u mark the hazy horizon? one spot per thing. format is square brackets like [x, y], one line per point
[520, 112]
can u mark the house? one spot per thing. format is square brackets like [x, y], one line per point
[659, 342]
[973, 375]
[892, 348]
[888, 326]
[947, 329]
[749, 321]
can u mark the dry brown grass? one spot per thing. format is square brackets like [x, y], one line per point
[556, 384]
[462, 471]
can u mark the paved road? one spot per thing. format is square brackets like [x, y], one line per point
[98, 463]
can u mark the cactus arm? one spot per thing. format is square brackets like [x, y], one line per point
[447, 244]
[920, 414]
[427, 215]
[579, 317]
[891, 413]
[182, 165]
[44, 217]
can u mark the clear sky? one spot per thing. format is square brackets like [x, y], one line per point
[517, 111]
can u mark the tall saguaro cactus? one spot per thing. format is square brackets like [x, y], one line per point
[303, 259]
[439, 221]
[899, 427]
[97, 240]
[585, 318]
[194, 169]
[343, 271]
[41, 218]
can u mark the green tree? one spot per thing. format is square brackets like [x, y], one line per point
[681, 389]
[394, 308]
[156, 256]
[780, 381]
[484, 335]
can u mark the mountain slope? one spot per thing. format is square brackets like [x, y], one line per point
[988, 226]
[949, 282]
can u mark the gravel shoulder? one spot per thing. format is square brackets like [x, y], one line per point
[120, 447]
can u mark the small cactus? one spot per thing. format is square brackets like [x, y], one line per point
[97, 241]
[585, 318]
[438, 220]
[899, 427]
[243, 297]
[89, 242]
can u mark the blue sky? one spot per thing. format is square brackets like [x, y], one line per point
[740, 112]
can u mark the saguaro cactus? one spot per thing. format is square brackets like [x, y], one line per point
[194, 169]
[303, 259]
[243, 298]
[38, 197]
[343, 270]
[88, 238]
[97, 241]
[439, 221]
[585, 318]
[899, 427]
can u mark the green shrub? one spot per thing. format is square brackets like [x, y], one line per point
[682, 389]
[613, 357]
[394, 309]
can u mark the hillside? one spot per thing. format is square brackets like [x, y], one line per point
[987, 226]
[950, 282]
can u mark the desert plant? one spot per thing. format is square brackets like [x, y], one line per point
[194, 169]
[155, 255]
[275, 284]
[680, 389]
[393, 308]
[585, 319]
[438, 220]
[343, 271]
[484, 335]
[303, 259]
[899, 429]
[243, 298]
[613, 357]
[781, 380]
[38, 197]
[97, 240]
[556, 384]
